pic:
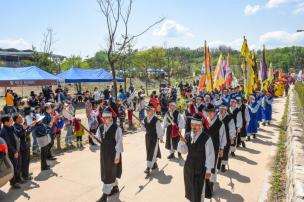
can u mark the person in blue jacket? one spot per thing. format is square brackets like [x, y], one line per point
[267, 108]
[260, 97]
[253, 108]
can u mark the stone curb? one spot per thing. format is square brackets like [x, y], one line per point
[295, 152]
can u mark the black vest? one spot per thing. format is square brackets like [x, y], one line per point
[196, 157]
[243, 109]
[214, 133]
[234, 114]
[151, 128]
[174, 118]
[226, 122]
[108, 139]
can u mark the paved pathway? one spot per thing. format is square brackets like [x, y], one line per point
[75, 176]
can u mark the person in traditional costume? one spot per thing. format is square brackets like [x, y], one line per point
[111, 147]
[173, 122]
[242, 133]
[228, 121]
[189, 112]
[226, 97]
[199, 106]
[200, 159]
[154, 134]
[253, 108]
[267, 108]
[238, 121]
[217, 101]
[259, 97]
[207, 99]
[217, 133]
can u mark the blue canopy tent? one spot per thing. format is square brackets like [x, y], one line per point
[77, 75]
[26, 76]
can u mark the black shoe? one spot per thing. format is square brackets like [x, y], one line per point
[179, 155]
[147, 171]
[223, 168]
[104, 198]
[115, 190]
[171, 156]
[243, 144]
[155, 166]
[233, 154]
[92, 144]
[28, 178]
[45, 168]
[254, 136]
[248, 138]
[16, 186]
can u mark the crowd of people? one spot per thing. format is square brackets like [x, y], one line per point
[214, 125]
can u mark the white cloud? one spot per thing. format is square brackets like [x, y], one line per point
[299, 8]
[15, 43]
[172, 29]
[282, 38]
[235, 44]
[277, 3]
[252, 9]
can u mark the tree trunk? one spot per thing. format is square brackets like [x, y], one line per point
[125, 80]
[114, 77]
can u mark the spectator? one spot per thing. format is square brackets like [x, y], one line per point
[79, 132]
[96, 94]
[68, 114]
[13, 144]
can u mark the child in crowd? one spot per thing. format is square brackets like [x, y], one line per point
[79, 132]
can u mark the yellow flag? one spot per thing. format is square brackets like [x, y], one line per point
[218, 75]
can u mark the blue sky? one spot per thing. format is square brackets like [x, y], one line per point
[80, 27]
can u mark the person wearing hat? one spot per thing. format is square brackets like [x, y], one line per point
[200, 159]
[43, 139]
[267, 108]
[217, 101]
[68, 114]
[173, 122]
[154, 133]
[13, 144]
[207, 99]
[226, 96]
[217, 133]
[111, 148]
[238, 121]
[242, 133]
[199, 106]
[253, 108]
[228, 121]
[48, 121]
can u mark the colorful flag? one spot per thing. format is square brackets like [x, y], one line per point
[245, 51]
[219, 79]
[270, 73]
[264, 65]
[208, 80]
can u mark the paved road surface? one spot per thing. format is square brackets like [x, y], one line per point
[76, 176]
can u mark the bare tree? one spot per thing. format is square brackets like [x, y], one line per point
[48, 42]
[117, 15]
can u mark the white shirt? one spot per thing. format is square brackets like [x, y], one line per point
[118, 138]
[159, 128]
[222, 132]
[209, 151]
[231, 126]
[96, 95]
